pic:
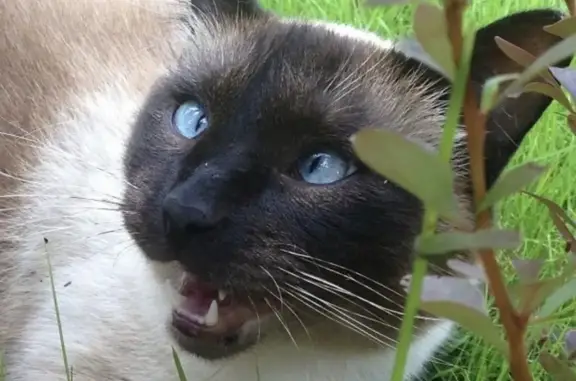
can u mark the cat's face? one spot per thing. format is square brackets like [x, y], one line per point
[244, 174]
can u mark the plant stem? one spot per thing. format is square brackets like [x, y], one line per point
[571, 7]
[419, 269]
[514, 326]
[453, 11]
[420, 265]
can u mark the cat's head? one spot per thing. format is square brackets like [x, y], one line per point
[243, 172]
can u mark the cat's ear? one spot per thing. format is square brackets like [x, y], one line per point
[510, 121]
[228, 9]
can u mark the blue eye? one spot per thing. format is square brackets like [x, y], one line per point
[190, 120]
[325, 168]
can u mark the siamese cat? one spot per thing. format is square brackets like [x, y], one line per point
[186, 167]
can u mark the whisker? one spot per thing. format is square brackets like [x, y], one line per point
[342, 320]
[68, 155]
[58, 197]
[257, 316]
[292, 311]
[130, 245]
[325, 285]
[17, 137]
[51, 229]
[37, 221]
[121, 204]
[84, 239]
[332, 305]
[339, 289]
[275, 283]
[51, 185]
[279, 317]
[336, 292]
[74, 207]
[346, 276]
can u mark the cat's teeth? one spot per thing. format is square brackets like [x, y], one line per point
[222, 295]
[211, 318]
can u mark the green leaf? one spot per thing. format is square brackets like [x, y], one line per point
[470, 319]
[563, 28]
[559, 217]
[572, 123]
[557, 368]
[528, 270]
[531, 295]
[511, 182]
[463, 291]
[412, 48]
[443, 243]
[430, 30]
[461, 300]
[553, 92]
[554, 209]
[178, 364]
[567, 78]
[469, 270]
[557, 53]
[491, 89]
[522, 57]
[570, 344]
[408, 165]
[558, 298]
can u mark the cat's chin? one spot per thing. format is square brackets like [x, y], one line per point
[214, 324]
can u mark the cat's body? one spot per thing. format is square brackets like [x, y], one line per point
[74, 77]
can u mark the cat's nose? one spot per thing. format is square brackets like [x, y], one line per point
[183, 212]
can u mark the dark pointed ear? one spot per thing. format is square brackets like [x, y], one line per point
[510, 121]
[233, 9]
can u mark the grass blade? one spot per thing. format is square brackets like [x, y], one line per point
[2, 367]
[178, 364]
[57, 310]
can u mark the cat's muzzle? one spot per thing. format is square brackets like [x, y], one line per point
[214, 323]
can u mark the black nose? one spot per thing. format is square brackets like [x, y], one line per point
[185, 211]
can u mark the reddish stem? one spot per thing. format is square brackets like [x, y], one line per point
[514, 325]
[475, 121]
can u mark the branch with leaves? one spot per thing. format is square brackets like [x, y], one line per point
[527, 306]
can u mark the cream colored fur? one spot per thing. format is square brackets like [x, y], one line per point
[113, 303]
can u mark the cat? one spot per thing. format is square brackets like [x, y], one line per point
[186, 167]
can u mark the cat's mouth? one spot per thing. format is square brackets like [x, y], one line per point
[211, 322]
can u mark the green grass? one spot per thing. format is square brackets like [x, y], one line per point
[550, 143]
[2, 370]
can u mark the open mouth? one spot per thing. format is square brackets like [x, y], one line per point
[209, 321]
